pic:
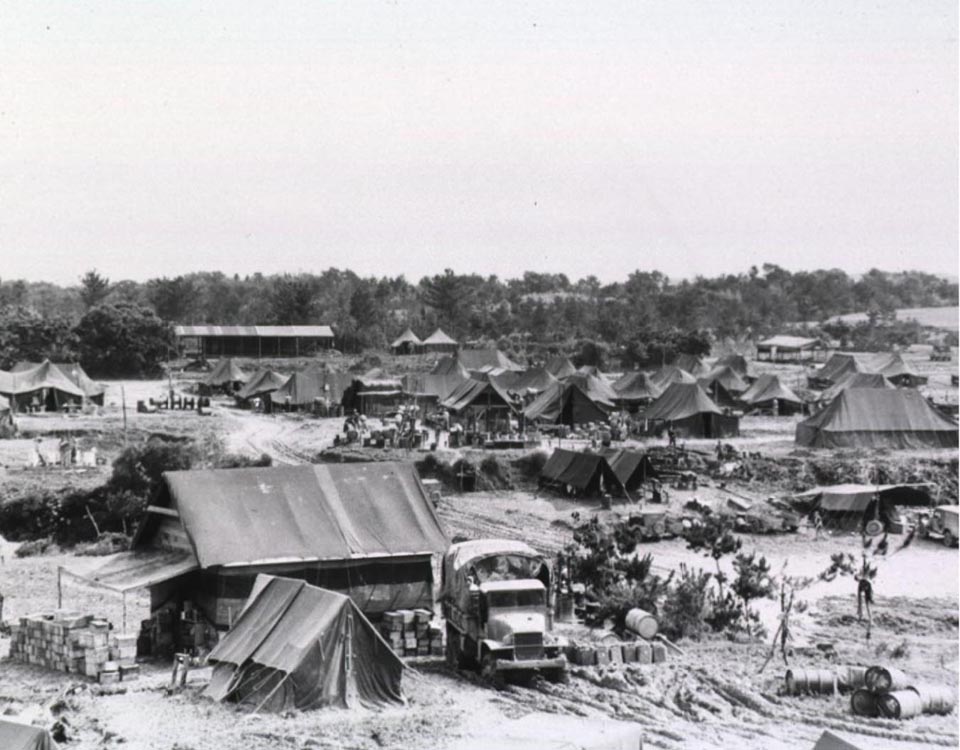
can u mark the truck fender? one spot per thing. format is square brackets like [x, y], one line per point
[488, 644]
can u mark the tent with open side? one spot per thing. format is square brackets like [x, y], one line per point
[261, 383]
[632, 467]
[17, 736]
[568, 404]
[878, 418]
[227, 375]
[850, 506]
[45, 386]
[893, 367]
[580, 474]
[692, 413]
[768, 394]
[297, 646]
[560, 367]
[92, 390]
[406, 343]
[834, 370]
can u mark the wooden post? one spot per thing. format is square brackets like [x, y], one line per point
[123, 402]
[124, 597]
[59, 587]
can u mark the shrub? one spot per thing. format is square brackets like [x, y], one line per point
[686, 605]
[531, 464]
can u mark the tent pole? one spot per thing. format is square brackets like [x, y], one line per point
[124, 598]
[59, 587]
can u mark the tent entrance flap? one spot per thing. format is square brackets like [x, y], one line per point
[136, 569]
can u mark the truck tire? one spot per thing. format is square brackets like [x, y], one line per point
[452, 650]
[488, 669]
[948, 539]
[559, 676]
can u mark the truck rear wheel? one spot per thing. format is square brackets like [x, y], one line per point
[948, 539]
[455, 655]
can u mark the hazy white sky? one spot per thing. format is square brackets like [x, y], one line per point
[597, 137]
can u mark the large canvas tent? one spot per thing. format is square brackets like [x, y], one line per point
[92, 390]
[632, 468]
[560, 367]
[306, 387]
[835, 369]
[534, 381]
[740, 365]
[297, 646]
[373, 396]
[406, 343]
[850, 506]
[580, 474]
[724, 385]
[45, 387]
[635, 388]
[897, 371]
[430, 389]
[17, 736]
[438, 341]
[565, 403]
[260, 384]
[768, 394]
[878, 418]
[227, 375]
[669, 374]
[367, 530]
[692, 413]
[597, 388]
[691, 363]
[855, 380]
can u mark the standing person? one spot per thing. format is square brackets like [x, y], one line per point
[817, 525]
[671, 436]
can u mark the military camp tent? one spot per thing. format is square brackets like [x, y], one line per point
[671, 374]
[304, 388]
[878, 418]
[560, 367]
[17, 736]
[893, 367]
[691, 412]
[406, 343]
[227, 375]
[855, 380]
[297, 646]
[834, 370]
[768, 394]
[632, 467]
[566, 403]
[261, 383]
[724, 385]
[438, 341]
[597, 388]
[479, 359]
[533, 381]
[428, 389]
[580, 474]
[740, 365]
[45, 387]
[450, 366]
[373, 396]
[485, 403]
[850, 506]
[635, 388]
[92, 390]
[691, 363]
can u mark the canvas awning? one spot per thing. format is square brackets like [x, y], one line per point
[137, 569]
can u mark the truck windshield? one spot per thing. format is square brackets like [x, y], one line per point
[514, 599]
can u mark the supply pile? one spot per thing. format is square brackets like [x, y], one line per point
[411, 633]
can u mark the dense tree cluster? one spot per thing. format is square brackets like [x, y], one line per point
[641, 320]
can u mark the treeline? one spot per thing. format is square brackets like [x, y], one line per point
[637, 317]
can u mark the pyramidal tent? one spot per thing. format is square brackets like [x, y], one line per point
[438, 341]
[261, 383]
[305, 387]
[834, 370]
[297, 646]
[671, 374]
[431, 387]
[17, 736]
[560, 367]
[535, 380]
[856, 380]
[878, 418]
[406, 343]
[692, 413]
[726, 376]
[634, 388]
[450, 366]
[895, 369]
[691, 363]
[580, 474]
[740, 365]
[597, 389]
[768, 393]
[226, 373]
[566, 403]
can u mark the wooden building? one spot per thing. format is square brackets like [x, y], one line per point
[207, 341]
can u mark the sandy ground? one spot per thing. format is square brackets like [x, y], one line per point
[710, 697]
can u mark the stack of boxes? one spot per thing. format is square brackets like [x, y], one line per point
[74, 643]
[411, 633]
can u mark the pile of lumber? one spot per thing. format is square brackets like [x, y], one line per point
[75, 643]
[410, 632]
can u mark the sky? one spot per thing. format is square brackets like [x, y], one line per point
[690, 137]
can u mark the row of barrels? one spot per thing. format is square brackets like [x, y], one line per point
[876, 691]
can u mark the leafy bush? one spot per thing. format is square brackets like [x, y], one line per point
[29, 517]
[240, 461]
[139, 468]
[686, 605]
[531, 464]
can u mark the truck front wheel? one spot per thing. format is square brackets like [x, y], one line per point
[488, 669]
[558, 676]
[948, 538]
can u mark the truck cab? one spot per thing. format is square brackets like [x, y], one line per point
[496, 601]
[943, 523]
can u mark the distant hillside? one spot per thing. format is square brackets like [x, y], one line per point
[944, 318]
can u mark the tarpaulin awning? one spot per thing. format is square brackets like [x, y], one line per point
[138, 568]
[16, 736]
[312, 512]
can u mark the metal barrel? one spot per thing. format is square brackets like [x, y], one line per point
[885, 679]
[864, 703]
[851, 676]
[816, 681]
[900, 704]
[936, 699]
[642, 623]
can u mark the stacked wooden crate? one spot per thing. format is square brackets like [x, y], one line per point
[410, 632]
[74, 643]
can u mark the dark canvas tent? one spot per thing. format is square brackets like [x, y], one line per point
[261, 383]
[635, 388]
[16, 736]
[691, 363]
[560, 367]
[855, 380]
[692, 413]
[227, 374]
[92, 390]
[580, 474]
[484, 394]
[897, 371]
[373, 395]
[45, 386]
[297, 646]
[597, 388]
[431, 388]
[850, 506]
[535, 380]
[768, 394]
[304, 388]
[740, 365]
[450, 366]
[406, 343]
[671, 374]
[878, 418]
[565, 403]
[724, 385]
[632, 468]
[834, 370]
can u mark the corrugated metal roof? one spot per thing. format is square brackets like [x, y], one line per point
[790, 342]
[311, 512]
[256, 331]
